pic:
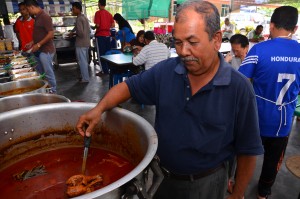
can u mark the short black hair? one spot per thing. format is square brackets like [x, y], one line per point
[21, 4]
[259, 26]
[6, 20]
[239, 39]
[31, 3]
[77, 5]
[285, 17]
[149, 35]
[102, 2]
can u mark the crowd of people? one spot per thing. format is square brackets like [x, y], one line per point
[197, 146]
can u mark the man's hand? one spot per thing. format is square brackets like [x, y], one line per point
[29, 45]
[228, 57]
[89, 119]
[35, 47]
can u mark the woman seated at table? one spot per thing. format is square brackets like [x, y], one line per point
[138, 43]
[125, 33]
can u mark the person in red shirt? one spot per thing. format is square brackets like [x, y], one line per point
[24, 28]
[103, 22]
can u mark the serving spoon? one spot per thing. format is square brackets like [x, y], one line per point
[87, 142]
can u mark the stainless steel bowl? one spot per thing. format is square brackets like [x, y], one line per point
[24, 100]
[32, 130]
[22, 87]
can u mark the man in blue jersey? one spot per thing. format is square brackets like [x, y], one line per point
[274, 68]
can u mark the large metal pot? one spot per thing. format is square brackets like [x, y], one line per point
[24, 100]
[22, 87]
[31, 130]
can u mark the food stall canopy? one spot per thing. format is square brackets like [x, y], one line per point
[143, 9]
[12, 5]
[160, 8]
[180, 1]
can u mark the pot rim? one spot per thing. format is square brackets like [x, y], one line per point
[34, 94]
[44, 86]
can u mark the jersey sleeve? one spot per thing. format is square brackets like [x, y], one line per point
[249, 64]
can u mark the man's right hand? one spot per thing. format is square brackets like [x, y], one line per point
[90, 119]
[228, 57]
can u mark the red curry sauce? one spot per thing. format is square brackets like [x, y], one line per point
[60, 164]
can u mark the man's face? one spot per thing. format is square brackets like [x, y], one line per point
[238, 50]
[30, 9]
[226, 22]
[74, 11]
[23, 10]
[258, 31]
[192, 42]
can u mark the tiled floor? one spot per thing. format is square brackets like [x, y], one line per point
[287, 186]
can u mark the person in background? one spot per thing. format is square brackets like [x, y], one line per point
[1, 30]
[273, 68]
[138, 43]
[82, 44]
[239, 49]
[43, 45]
[103, 22]
[152, 53]
[9, 32]
[23, 28]
[205, 110]
[227, 29]
[256, 35]
[125, 33]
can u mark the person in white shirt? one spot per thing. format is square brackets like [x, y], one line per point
[239, 49]
[152, 53]
[256, 35]
[227, 29]
[9, 32]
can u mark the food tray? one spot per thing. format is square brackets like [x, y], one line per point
[21, 70]
[20, 66]
[17, 77]
[19, 61]
[3, 73]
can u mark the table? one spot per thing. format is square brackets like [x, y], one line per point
[118, 59]
[118, 64]
[225, 47]
[293, 165]
[65, 51]
[121, 63]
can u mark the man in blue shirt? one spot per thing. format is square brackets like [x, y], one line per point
[205, 111]
[274, 68]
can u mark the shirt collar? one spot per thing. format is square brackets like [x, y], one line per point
[22, 18]
[222, 77]
[153, 41]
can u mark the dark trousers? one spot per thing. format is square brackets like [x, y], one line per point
[210, 187]
[273, 156]
[103, 46]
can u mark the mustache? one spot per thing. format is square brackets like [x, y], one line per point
[185, 59]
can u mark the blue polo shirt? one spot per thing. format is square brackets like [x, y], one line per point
[199, 132]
